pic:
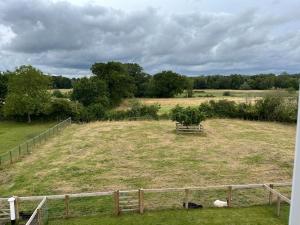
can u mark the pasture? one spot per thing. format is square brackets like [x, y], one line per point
[14, 133]
[126, 155]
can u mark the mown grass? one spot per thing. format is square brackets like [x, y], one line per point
[258, 215]
[14, 133]
[125, 155]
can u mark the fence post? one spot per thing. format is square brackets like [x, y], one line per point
[27, 149]
[0, 160]
[10, 156]
[17, 207]
[271, 194]
[39, 216]
[186, 199]
[141, 201]
[278, 205]
[19, 151]
[67, 206]
[229, 196]
[117, 202]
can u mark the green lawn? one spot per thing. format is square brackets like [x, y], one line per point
[258, 215]
[13, 133]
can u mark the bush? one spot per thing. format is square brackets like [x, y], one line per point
[60, 109]
[137, 111]
[187, 116]
[226, 93]
[270, 108]
[57, 94]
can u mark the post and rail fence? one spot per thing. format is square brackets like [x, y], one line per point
[26, 147]
[140, 200]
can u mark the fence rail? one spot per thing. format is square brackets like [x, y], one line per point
[138, 200]
[26, 147]
[40, 214]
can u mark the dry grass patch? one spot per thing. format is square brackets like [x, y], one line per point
[110, 155]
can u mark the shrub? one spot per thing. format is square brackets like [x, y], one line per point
[226, 93]
[57, 94]
[187, 116]
[137, 111]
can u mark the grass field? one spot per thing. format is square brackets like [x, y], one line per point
[257, 215]
[124, 155]
[13, 133]
[205, 95]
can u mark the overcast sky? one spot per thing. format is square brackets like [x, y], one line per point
[191, 37]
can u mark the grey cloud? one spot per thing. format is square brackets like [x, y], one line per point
[64, 38]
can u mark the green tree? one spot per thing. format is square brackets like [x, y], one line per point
[167, 84]
[27, 93]
[89, 91]
[140, 78]
[3, 86]
[119, 83]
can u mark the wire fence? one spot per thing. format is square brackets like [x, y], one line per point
[26, 147]
[141, 200]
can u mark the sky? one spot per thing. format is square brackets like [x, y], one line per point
[191, 37]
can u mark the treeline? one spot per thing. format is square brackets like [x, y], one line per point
[273, 107]
[235, 81]
[245, 82]
[25, 94]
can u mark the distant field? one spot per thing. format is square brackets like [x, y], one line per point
[240, 93]
[257, 215]
[125, 155]
[167, 104]
[14, 133]
[205, 95]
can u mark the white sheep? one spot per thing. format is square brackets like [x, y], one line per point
[220, 204]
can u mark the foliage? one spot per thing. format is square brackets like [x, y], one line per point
[167, 84]
[57, 94]
[27, 93]
[226, 93]
[119, 84]
[89, 91]
[3, 86]
[246, 82]
[187, 116]
[60, 82]
[270, 108]
[137, 111]
[140, 78]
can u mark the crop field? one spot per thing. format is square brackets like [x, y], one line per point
[14, 133]
[250, 216]
[125, 155]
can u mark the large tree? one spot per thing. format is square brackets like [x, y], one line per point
[90, 91]
[119, 83]
[140, 78]
[167, 84]
[27, 93]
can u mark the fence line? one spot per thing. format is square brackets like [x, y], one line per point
[139, 200]
[152, 190]
[26, 147]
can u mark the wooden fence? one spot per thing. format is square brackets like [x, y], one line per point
[134, 200]
[26, 147]
[180, 128]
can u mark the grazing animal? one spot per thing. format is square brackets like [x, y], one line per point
[192, 205]
[220, 204]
